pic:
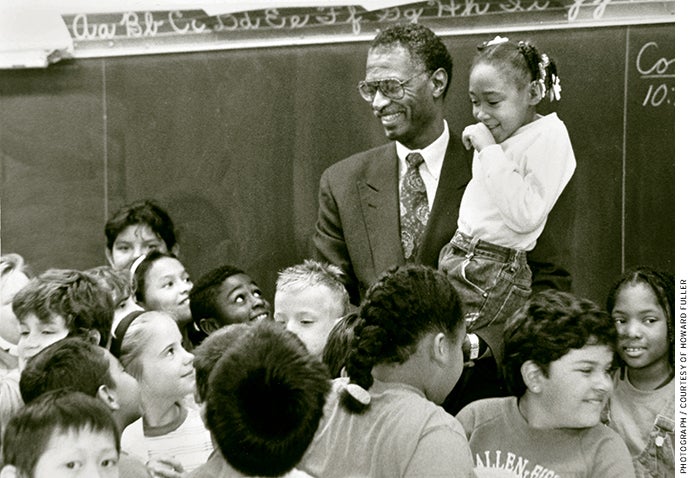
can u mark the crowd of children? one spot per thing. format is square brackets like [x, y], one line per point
[135, 370]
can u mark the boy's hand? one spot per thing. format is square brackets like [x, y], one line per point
[164, 467]
[477, 136]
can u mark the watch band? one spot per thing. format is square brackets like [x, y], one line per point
[474, 346]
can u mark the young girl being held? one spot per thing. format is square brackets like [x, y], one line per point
[162, 283]
[170, 436]
[642, 404]
[522, 162]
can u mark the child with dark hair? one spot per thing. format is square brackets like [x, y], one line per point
[162, 283]
[76, 364]
[223, 296]
[119, 285]
[642, 406]
[56, 304]
[338, 345]
[136, 229]
[406, 356]
[264, 403]
[558, 362]
[59, 435]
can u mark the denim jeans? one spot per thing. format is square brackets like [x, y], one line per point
[493, 281]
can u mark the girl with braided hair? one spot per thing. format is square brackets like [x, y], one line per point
[522, 162]
[406, 355]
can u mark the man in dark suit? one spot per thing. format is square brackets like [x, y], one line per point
[408, 72]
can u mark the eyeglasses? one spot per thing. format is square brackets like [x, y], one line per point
[391, 88]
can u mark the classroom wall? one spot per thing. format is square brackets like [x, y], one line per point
[232, 143]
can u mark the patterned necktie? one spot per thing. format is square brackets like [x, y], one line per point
[414, 207]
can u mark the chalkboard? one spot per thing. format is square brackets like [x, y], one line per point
[233, 142]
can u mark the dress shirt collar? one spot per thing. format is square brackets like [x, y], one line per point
[433, 154]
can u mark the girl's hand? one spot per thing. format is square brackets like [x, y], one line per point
[477, 136]
[164, 467]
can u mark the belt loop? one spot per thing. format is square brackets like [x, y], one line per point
[473, 245]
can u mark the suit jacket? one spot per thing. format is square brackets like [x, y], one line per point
[358, 226]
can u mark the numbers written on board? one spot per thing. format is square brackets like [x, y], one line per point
[652, 65]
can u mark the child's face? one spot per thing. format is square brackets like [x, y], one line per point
[309, 313]
[240, 300]
[167, 287]
[123, 308]
[498, 102]
[167, 368]
[35, 335]
[10, 284]
[642, 327]
[82, 453]
[126, 388]
[134, 241]
[577, 387]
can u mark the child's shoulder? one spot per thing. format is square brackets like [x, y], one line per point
[486, 410]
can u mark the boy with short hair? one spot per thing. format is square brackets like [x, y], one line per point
[223, 296]
[265, 399]
[136, 229]
[56, 304]
[558, 362]
[79, 365]
[62, 434]
[310, 298]
[119, 285]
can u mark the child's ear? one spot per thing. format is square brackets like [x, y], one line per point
[208, 326]
[440, 351]
[9, 471]
[533, 376]
[109, 397]
[175, 250]
[536, 92]
[94, 336]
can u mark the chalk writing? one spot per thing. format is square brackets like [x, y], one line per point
[353, 20]
[651, 64]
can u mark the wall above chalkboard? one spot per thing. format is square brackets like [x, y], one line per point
[276, 23]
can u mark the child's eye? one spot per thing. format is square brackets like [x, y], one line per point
[239, 299]
[122, 248]
[23, 333]
[109, 462]
[618, 320]
[47, 332]
[650, 320]
[168, 284]
[170, 352]
[586, 371]
[73, 465]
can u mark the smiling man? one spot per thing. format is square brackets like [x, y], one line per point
[369, 218]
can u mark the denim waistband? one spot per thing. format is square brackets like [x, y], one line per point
[478, 247]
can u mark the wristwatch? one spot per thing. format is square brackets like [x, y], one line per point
[474, 346]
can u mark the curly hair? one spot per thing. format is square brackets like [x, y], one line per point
[423, 45]
[547, 327]
[662, 285]
[522, 60]
[71, 294]
[404, 305]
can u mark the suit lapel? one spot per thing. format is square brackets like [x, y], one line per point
[455, 174]
[378, 192]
